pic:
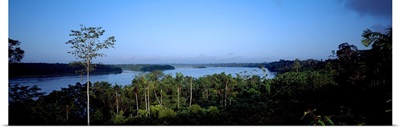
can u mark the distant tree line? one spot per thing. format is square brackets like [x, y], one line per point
[279, 67]
[283, 66]
[234, 64]
[56, 69]
[145, 67]
[199, 66]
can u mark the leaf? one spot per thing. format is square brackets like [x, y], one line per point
[321, 122]
[328, 120]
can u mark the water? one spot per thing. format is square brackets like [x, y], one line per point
[49, 84]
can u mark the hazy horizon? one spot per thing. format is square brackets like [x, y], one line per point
[194, 32]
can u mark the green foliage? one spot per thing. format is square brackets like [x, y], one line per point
[312, 118]
[376, 39]
[328, 120]
[98, 116]
[162, 112]
[166, 113]
[155, 110]
[212, 110]
[18, 93]
[86, 43]
[86, 46]
[195, 109]
[296, 65]
[283, 66]
[119, 118]
[143, 113]
[337, 91]
[22, 106]
[145, 67]
[291, 82]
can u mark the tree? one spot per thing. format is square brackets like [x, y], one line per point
[376, 39]
[347, 53]
[136, 91]
[86, 45]
[296, 65]
[191, 92]
[117, 89]
[179, 78]
[15, 53]
[380, 56]
[23, 93]
[379, 74]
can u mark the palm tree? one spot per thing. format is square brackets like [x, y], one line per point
[380, 56]
[377, 40]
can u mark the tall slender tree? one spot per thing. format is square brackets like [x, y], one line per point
[136, 90]
[226, 90]
[179, 78]
[191, 92]
[86, 44]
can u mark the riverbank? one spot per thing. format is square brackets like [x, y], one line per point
[38, 70]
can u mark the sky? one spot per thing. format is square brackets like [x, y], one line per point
[196, 31]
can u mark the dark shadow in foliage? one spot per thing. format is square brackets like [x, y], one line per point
[22, 105]
[15, 53]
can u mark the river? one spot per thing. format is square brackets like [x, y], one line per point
[49, 84]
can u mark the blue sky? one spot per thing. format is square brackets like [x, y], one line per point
[196, 31]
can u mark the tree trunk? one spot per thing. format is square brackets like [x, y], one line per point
[207, 95]
[87, 89]
[178, 97]
[161, 98]
[67, 117]
[145, 98]
[226, 91]
[116, 98]
[67, 112]
[191, 94]
[148, 99]
[155, 94]
[137, 104]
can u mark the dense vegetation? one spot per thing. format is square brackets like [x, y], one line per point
[145, 67]
[283, 66]
[200, 66]
[57, 69]
[278, 67]
[235, 64]
[353, 88]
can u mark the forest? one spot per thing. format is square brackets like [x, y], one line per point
[17, 70]
[145, 67]
[229, 65]
[352, 87]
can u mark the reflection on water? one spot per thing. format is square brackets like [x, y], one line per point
[49, 84]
